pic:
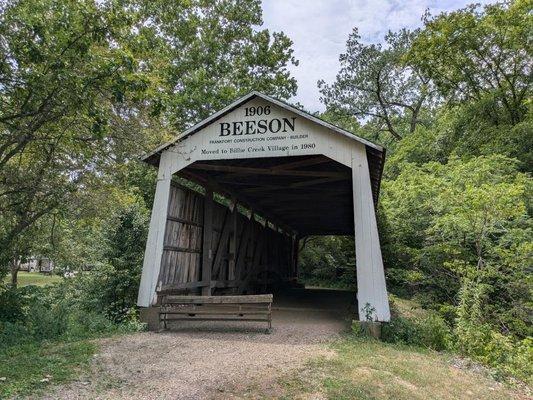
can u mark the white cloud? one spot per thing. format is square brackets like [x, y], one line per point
[319, 30]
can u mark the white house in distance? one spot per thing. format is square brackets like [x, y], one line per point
[284, 175]
[39, 264]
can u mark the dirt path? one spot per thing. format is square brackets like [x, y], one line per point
[202, 360]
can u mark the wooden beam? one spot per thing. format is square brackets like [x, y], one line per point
[302, 163]
[243, 247]
[184, 221]
[243, 199]
[296, 244]
[312, 182]
[310, 207]
[181, 249]
[222, 244]
[207, 251]
[277, 198]
[256, 259]
[232, 256]
[267, 171]
[176, 287]
[291, 165]
[169, 288]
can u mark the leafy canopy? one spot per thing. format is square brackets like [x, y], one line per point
[475, 53]
[375, 84]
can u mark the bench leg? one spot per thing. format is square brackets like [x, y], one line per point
[163, 318]
[269, 330]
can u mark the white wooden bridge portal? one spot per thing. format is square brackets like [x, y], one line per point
[283, 175]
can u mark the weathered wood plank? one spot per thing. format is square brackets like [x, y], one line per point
[222, 245]
[207, 250]
[257, 298]
[198, 311]
[182, 249]
[232, 254]
[184, 221]
[302, 163]
[203, 318]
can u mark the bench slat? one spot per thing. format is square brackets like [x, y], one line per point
[229, 318]
[214, 312]
[228, 307]
[260, 298]
[217, 308]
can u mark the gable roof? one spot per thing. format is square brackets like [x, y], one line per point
[375, 152]
[153, 157]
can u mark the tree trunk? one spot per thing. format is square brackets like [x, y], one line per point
[15, 267]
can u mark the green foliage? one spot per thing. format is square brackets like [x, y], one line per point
[68, 80]
[460, 217]
[480, 55]
[328, 261]
[210, 53]
[56, 313]
[87, 86]
[455, 207]
[11, 304]
[428, 330]
[476, 337]
[375, 83]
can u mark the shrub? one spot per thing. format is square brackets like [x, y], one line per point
[58, 312]
[11, 304]
[13, 334]
[504, 353]
[433, 332]
[47, 320]
[430, 331]
[85, 324]
[414, 326]
[400, 330]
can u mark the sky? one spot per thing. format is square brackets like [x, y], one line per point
[320, 28]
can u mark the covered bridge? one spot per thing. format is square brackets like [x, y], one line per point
[266, 174]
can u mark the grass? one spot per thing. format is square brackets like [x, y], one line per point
[366, 369]
[34, 278]
[31, 368]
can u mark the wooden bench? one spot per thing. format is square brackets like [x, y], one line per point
[216, 308]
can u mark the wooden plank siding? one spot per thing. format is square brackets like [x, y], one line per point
[245, 254]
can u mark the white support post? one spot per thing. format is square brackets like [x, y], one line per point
[371, 287]
[156, 235]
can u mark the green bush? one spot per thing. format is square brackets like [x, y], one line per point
[413, 326]
[434, 333]
[12, 334]
[11, 304]
[400, 330]
[504, 353]
[430, 332]
[328, 261]
[58, 312]
[47, 321]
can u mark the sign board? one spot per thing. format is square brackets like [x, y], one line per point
[259, 129]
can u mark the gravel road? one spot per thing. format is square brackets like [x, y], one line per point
[204, 360]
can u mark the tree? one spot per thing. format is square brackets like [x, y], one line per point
[477, 54]
[66, 74]
[375, 84]
[86, 86]
[209, 53]
[464, 223]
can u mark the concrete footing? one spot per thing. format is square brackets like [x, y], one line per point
[150, 316]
